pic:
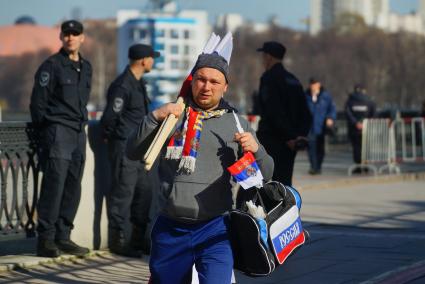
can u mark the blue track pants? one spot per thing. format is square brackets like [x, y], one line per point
[177, 246]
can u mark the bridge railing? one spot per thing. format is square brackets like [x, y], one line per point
[19, 179]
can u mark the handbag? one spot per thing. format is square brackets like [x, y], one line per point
[257, 256]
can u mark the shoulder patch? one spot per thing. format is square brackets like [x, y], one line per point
[44, 78]
[118, 104]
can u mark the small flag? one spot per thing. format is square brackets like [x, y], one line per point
[246, 171]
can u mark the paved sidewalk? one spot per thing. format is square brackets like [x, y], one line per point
[102, 267]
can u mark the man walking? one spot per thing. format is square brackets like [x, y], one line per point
[58, 110]
[285, 118]
[322, 109]
[131, 193]
[192, 228]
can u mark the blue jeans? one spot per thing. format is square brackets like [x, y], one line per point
[316, 150]
[177, 246]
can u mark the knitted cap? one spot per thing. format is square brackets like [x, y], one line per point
[213, 60]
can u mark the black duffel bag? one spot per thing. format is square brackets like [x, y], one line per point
[252, 255]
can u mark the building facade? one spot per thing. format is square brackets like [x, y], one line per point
[178, 36]
[324, 13]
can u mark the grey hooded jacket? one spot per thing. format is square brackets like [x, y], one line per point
[207, 192]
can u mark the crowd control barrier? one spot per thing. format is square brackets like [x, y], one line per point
[409, 136]
[386, 144]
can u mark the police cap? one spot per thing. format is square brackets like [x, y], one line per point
[72, 26]
[273, 48]
[138, 51]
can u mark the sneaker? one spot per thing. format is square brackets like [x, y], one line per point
[313, 172]
[47, 248]
[69, 247]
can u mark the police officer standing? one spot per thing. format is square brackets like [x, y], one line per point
[131, 193]
[285, 117]
[58, 110]
[358, 107]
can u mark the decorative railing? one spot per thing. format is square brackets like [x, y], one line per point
[19, 180]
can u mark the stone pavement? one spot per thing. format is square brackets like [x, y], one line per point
[364, 229]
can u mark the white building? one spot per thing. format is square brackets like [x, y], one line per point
[421, 11]
[323, 13]
[229, 22]
[412, 23]
[178, 35]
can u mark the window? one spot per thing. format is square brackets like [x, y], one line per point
[186, 64]
[159, 59]
[142, 34]
[174, 49]
[159, 33]
[186, 50]
[174, 64]
[186, 34]
[159, 46]
[174, 33]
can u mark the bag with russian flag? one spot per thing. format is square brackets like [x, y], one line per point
[254, 253]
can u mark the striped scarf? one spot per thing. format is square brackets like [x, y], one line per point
[184, 143]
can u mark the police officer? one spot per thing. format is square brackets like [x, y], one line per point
[58, 109]
[285, 117]
[131, 193]
[358, 107]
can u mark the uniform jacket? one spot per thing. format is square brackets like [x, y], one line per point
[207, 192]
[61, 92]
[320, 110]
[358, 107]
[283, 108]
[127, 104]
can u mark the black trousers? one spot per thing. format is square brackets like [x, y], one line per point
[316, 150]
[62, 158]
[356, 143]
[283, 158]
[130, 196]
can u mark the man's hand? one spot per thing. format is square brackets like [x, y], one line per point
[359, 126]
[329, 123]
[163, 111]
[247, 142]
[298, 143]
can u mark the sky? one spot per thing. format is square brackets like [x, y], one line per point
[290, 13]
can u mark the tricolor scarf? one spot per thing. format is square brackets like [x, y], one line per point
[184, 143]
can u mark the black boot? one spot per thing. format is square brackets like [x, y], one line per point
[69, 247]
[139, 241]
[137, 237]
[117, 245]
[116, 241]
[47, 248]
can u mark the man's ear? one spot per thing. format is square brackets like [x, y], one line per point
[225, 88]
[83, 37]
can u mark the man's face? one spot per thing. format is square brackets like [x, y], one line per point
[71, 41]
[148, 64]
[315, 87]
[208, 87]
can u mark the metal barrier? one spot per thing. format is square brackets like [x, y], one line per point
[376, 147]
[387, 143]
[19, 174]
[409, 135]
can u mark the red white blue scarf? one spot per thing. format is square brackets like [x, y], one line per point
[184, 143]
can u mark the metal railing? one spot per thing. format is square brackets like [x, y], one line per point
[386, 144]
[19, 179]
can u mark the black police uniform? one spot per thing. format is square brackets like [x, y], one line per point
[358, 107]
[58, 109]
[284, 116]
[131, 193]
